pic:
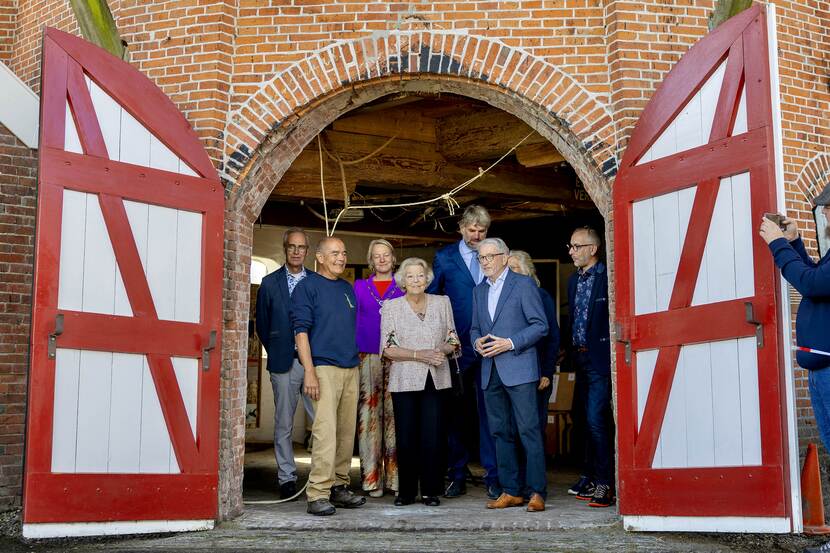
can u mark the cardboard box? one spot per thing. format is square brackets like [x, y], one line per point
[562, 394]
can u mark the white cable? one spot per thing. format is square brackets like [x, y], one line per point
[452, 204]
[275, 501]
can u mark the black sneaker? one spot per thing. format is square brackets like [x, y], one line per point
[580, 486]
[320, 508]
[456, 488]
[342, 496]
[430, 501]
[603, 496]
[587, 492]
[288, 490]
[824, 548]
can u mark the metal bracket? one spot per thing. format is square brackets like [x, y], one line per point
[52, 344]
[759, 326]
[618, 333]
[206, 351]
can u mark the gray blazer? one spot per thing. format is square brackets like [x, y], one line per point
[400, 326]
[519, 316]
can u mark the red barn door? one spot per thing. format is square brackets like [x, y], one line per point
[122, 429]
[702, 395]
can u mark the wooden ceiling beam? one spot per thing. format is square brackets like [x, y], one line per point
[482, 134]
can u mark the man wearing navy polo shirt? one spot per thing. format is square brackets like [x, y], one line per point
[323, 316]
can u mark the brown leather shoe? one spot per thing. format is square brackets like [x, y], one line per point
[505, 500]
[536, 504]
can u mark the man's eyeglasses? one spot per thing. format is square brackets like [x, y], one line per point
[577, 246]
[294, 248]
[488, 258]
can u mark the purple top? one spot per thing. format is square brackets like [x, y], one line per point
[369, 303]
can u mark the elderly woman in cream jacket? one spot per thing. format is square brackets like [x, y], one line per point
[417, 335]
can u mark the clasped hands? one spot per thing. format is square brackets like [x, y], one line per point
[490, 346]
[435, 356]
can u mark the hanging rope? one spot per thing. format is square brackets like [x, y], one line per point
[447, 197]
[323, 184]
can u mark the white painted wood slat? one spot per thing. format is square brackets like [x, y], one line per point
[65, 414]
[94, 394]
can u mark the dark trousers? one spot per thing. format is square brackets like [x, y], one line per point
[592, 412]
[421, 440]
[464, 411]
[543, 397]
[513, 411]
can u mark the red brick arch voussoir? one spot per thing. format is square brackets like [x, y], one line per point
[437, 54]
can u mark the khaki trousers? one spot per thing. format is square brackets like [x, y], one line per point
[335, 415]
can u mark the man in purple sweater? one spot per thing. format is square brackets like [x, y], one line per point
[323, 316]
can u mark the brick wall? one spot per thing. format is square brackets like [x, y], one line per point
[18, 166]
[8, 19]
[251, 75]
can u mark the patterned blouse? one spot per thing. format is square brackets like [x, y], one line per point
[401, 327]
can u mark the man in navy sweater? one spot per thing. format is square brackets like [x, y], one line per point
[323, 316]
[812, 324]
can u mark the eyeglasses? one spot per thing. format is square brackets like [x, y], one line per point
[295, 248]
[488, 258]
[577, 246]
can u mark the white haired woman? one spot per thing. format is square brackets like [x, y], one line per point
[417, 334]
[376, 423]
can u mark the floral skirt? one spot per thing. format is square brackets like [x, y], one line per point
[376, 427]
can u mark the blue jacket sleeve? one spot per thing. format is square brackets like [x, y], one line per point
[550, 344]
[798, 246]
[263, 313]
[475, 327]
[810, 281]
[534, 312]
[437, 284]
[302, 312]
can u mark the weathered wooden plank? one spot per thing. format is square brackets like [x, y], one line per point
[482, 134]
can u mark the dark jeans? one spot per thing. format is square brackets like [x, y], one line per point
[592, 412]
[506, 404]
[421, 440]
[461, 411]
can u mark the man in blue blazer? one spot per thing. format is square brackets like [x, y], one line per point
[274, 330]
[508, 321]
[457, 272]
[591, 354]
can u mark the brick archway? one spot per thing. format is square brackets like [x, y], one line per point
[813, 178]
[271, 128]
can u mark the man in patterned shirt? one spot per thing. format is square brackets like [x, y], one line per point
[591, 355]
[274, 330]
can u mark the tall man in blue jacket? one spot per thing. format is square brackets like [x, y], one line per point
[457, 272]
[274, 330]
[323, 314]
[508, 321]
[812, 324]
[591, 355]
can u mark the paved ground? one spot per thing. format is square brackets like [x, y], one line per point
[461, 524]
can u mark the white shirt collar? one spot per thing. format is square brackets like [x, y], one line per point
[500, 278]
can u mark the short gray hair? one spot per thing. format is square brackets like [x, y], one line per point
[400, 274]
[592, 233]
[293, 230]
[526, 263]
[325, 240]
[497, 242]
[381, 242]
[474, 215]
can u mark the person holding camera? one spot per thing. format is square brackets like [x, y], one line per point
[812, 280]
